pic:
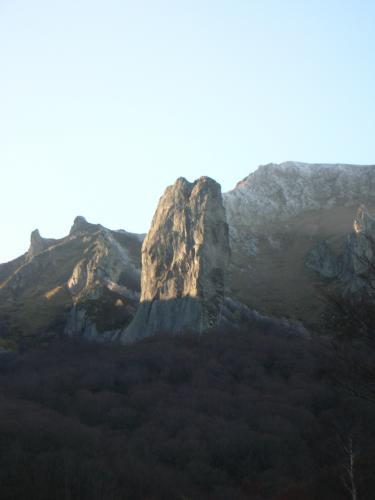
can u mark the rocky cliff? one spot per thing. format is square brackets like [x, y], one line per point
[84, 284]
[184, 260]
[288, 223]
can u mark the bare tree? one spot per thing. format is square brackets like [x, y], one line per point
[348, 476]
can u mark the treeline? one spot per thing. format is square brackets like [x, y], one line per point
[250, 414]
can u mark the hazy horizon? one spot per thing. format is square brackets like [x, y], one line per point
[103, 106]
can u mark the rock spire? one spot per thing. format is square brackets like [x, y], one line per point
[184, 259]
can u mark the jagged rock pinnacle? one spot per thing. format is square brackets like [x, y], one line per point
[364, 222]
[81, 225]
[184, 259]
[37, 244]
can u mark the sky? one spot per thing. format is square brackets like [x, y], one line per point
[105, 103]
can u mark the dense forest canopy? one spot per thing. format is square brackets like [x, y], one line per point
[255, 413]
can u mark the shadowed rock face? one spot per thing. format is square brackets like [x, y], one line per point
[184, 261]
[354, 264]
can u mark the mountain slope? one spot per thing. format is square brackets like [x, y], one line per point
[93, 271]
[276, 216]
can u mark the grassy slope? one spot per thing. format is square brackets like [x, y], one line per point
[278, 282]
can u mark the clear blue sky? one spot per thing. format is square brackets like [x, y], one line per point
[103, 104]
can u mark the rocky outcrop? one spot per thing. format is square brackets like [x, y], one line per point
[360, 255]
[353, 266]
[84, 284]
[184, 259]
[104, 285]
[81, 226]
[38, 244]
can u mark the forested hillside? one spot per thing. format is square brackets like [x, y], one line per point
[250, 414]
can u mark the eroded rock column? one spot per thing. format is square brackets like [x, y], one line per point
[184, 260]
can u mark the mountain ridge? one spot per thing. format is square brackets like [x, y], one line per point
[289, 227]
[38, 289]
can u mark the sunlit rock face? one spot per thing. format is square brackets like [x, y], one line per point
[85, 284]
[105, 282]
[184, 260]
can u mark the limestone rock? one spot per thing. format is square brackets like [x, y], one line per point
[84, 284]
[104, 286]
[38, 244]
[80, 225]
[184, 259]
